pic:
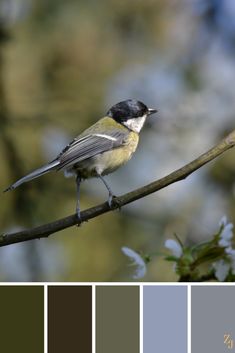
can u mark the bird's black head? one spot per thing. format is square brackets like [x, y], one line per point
[129, 109]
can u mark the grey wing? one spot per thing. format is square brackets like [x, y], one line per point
[89, 146]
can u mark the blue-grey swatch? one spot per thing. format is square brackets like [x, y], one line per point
[213, 319]
[165, 319]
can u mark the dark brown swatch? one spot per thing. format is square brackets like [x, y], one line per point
[22, 319]
[69, 319]
[117, 319]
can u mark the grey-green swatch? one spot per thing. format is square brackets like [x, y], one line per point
[213, 319]
[117, 319]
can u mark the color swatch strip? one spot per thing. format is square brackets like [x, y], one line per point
[117, 318]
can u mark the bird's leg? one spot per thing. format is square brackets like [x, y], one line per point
[112, 197]
[78, 183]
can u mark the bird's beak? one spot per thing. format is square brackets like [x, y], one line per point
[151, 111]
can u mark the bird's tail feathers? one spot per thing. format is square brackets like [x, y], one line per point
[35, 174]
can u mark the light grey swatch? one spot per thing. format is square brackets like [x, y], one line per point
[213, 317]
[165, 319]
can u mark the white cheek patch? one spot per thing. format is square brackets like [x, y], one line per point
[135, 124]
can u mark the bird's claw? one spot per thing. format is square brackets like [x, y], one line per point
[113, 201]
[79, 218]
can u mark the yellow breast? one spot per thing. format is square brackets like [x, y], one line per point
[112, 160]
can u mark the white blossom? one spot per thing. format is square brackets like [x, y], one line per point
[231, 252]
[137, 260]
[223, 221]
[221, 269]
[174, 247]
[226, 233]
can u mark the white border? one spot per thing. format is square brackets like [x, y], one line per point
[139, 284]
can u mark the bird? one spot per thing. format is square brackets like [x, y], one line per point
[100, 149]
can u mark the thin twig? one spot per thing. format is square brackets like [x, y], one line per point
[179, 174]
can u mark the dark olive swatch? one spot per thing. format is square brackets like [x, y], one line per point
[22, 319]
[117, 319]
[69, 319]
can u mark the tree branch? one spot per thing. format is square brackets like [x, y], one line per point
[179, 174]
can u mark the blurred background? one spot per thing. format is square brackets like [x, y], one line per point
[63, 64]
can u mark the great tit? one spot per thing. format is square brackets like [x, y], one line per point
[100, 149]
